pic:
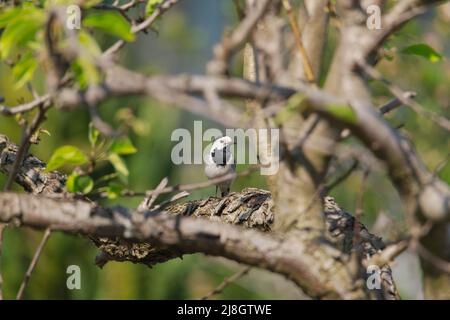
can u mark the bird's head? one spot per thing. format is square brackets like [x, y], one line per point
[222, 143]
[221, 150]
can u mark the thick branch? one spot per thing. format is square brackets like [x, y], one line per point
[252, 208]
[31, 174]
[302, 262]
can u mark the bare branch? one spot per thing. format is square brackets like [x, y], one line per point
[227, 282]
[437, 262]
[236, 40]
[196, 234]
[404, 97]
[287, 255]
[33, 264]
[10, 111]
[298, 41]
[31, 174]
[395, 103]
[252, 208]
[147, 203]
[387, 255]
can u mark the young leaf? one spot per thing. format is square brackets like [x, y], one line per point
[114, 190]
[93, 135]
[423, 50]
[89, 43]
[24, 69]
[20, 30]
[76, 183]
[89, 74]
[66, 155]
[120, 167]
[45, 131]
[150, 7]
[110, 22]
[123, 146]
[84, 67]
[9, 15]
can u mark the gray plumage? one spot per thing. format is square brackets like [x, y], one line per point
[220, 162]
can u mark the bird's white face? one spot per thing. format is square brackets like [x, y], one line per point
[220, 152]
[222, 143]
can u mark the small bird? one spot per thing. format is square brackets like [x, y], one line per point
[220, 162]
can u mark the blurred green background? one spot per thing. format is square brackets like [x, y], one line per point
[184, 43]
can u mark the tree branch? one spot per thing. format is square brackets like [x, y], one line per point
[110, 228]
[287, 255]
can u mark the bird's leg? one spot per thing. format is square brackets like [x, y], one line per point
[225, 192]
[216, 190]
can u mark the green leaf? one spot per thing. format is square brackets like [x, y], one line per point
[66, 155]
[24, 69]
[123, 146]
[423, 50]
[93, 135]
[110, 22]
[76, 183]
[343, 112]
[9, 15]
[151, 6]
[89, 43]
[114, 190]
[20, 30]
[120, 167]
[84, 67]
[85, 70]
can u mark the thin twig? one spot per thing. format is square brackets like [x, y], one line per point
[388, 254]
[234, 41]
[309, 73]
[10, 111]
[173, 199]
[33, 264]
[441, 165]
[226, 282]
[437, 262]
[342, 177]
[147, 203]
[359, 208]
[99, 124]
[395, 103]
[402, 96]
[192, 186]
[20, 155]
[25, 145]
[166, 5]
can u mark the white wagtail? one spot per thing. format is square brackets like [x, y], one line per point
[220, 162]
